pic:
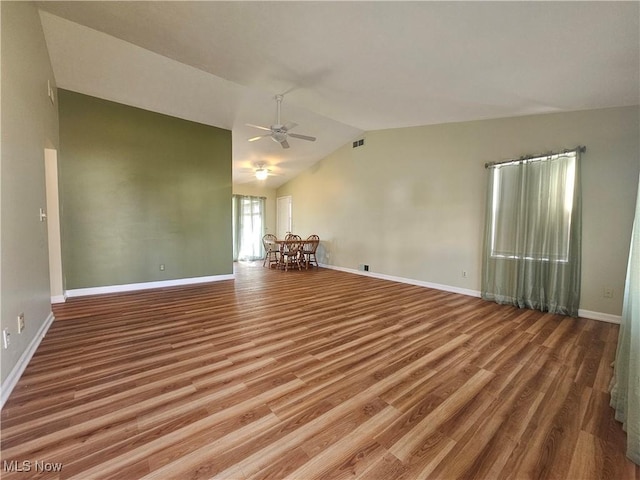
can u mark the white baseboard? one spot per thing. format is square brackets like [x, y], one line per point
[12, 379]
[81, 292]
[58, 299]
[604, 317]
[410, 281]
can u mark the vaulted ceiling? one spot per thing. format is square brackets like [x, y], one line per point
[345, 67]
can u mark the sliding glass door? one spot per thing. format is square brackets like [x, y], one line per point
[248, 227]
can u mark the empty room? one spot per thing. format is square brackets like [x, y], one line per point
[320, 240]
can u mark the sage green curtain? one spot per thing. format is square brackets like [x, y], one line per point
[532, 241]
[625, 384]
[248, 215]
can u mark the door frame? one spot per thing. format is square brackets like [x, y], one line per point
[56, 279]
[284, 225]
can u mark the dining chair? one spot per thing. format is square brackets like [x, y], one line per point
[309, 250]
[271, 250]
[290, 254]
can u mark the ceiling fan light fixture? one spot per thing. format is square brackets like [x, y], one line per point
[262, 173]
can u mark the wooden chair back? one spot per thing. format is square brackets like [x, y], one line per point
[268, 241]
[291, 251]
[270, 249]
[311, 247]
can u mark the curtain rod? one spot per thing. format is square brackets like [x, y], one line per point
[247, 196]
[579, 148]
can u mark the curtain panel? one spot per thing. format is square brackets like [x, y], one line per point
[248, 214]
[532, 240]
[625, 384]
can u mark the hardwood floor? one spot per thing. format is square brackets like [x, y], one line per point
[314, 374]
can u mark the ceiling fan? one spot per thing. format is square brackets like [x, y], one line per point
[262, 172]
[279, 132]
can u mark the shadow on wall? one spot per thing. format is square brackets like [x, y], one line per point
[324, 251]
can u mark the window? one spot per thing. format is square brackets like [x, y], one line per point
[525, 201]
[533, 233]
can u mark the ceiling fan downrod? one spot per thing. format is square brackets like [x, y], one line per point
[279, 101]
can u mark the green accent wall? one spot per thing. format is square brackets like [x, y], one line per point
[139, 189]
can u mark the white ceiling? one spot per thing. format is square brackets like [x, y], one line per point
[345, 67]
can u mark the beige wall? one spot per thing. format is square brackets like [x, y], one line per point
[29, 125]
[254, 190]
[410, 202]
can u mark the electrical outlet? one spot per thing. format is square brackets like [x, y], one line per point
[162, 267]
[20, 323]
[464, 274]
[608, 292]
[6, 340]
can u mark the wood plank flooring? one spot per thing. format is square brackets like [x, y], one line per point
[315, 374]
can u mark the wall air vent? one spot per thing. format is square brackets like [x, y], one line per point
[358, 143]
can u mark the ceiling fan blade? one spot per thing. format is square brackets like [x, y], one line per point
[288, 126]
[302, 137]
[253, 139]
[284, 144]
[258, 126]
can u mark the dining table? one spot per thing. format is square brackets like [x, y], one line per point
[282, 247]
